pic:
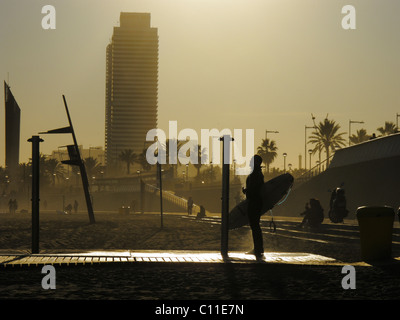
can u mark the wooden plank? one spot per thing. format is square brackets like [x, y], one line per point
[67, 260]
[7, 258]
[74, 260]
[59, 260]
[81, 260]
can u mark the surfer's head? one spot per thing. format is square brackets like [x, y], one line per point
[256, 162]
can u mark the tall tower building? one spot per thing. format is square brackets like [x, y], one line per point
[12, 123]
[131, 85]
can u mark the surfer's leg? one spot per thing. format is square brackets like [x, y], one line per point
[254, 221]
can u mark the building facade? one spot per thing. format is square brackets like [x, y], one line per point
[131, 85]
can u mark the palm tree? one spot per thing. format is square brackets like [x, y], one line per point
[389, 128]
[54, 169]
[129, 157]
[142, 160]
[359, 137]
[167, 155]
[326, 136]
[201, 158]
[267, 151]
[92, 166]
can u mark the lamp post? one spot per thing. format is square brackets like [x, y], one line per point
[350, 122]
[397, 122]
[305, 144]
[284, 162]
[310, 152]
[266, 133]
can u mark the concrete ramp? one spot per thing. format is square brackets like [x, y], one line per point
[373, 182]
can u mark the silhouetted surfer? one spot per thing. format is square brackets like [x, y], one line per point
[254, 182]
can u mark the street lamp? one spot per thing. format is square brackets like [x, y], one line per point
[138, 175]
[397, 122]
[266, 132]
[284, 161]
[305, 144]
[350, 122]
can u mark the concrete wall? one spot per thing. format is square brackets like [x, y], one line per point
[375, 182]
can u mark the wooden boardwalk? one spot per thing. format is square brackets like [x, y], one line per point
[95, 257]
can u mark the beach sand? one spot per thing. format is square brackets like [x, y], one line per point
[114, 231]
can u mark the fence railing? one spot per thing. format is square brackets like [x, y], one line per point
[314, 171]
[169, 196]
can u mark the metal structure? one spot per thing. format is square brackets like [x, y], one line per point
[75, 159]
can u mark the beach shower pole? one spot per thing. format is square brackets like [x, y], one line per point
[226, 152]
[35, 140]
[161, 197]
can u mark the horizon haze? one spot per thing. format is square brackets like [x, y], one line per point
[241, 64]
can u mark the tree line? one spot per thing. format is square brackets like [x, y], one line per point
[327, 138]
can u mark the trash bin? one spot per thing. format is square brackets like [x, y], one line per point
[376, 228]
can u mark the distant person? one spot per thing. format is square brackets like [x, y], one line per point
[68, 208]
[75, 206]
[373, 136]
[202, 213]
[254, 182]
[190, 205]
[337, 204]
[313, 214]
[11, 205]
[133, 206]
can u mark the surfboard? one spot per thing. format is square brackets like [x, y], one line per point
[272, 192]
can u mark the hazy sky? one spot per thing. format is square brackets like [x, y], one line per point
[244, 64]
